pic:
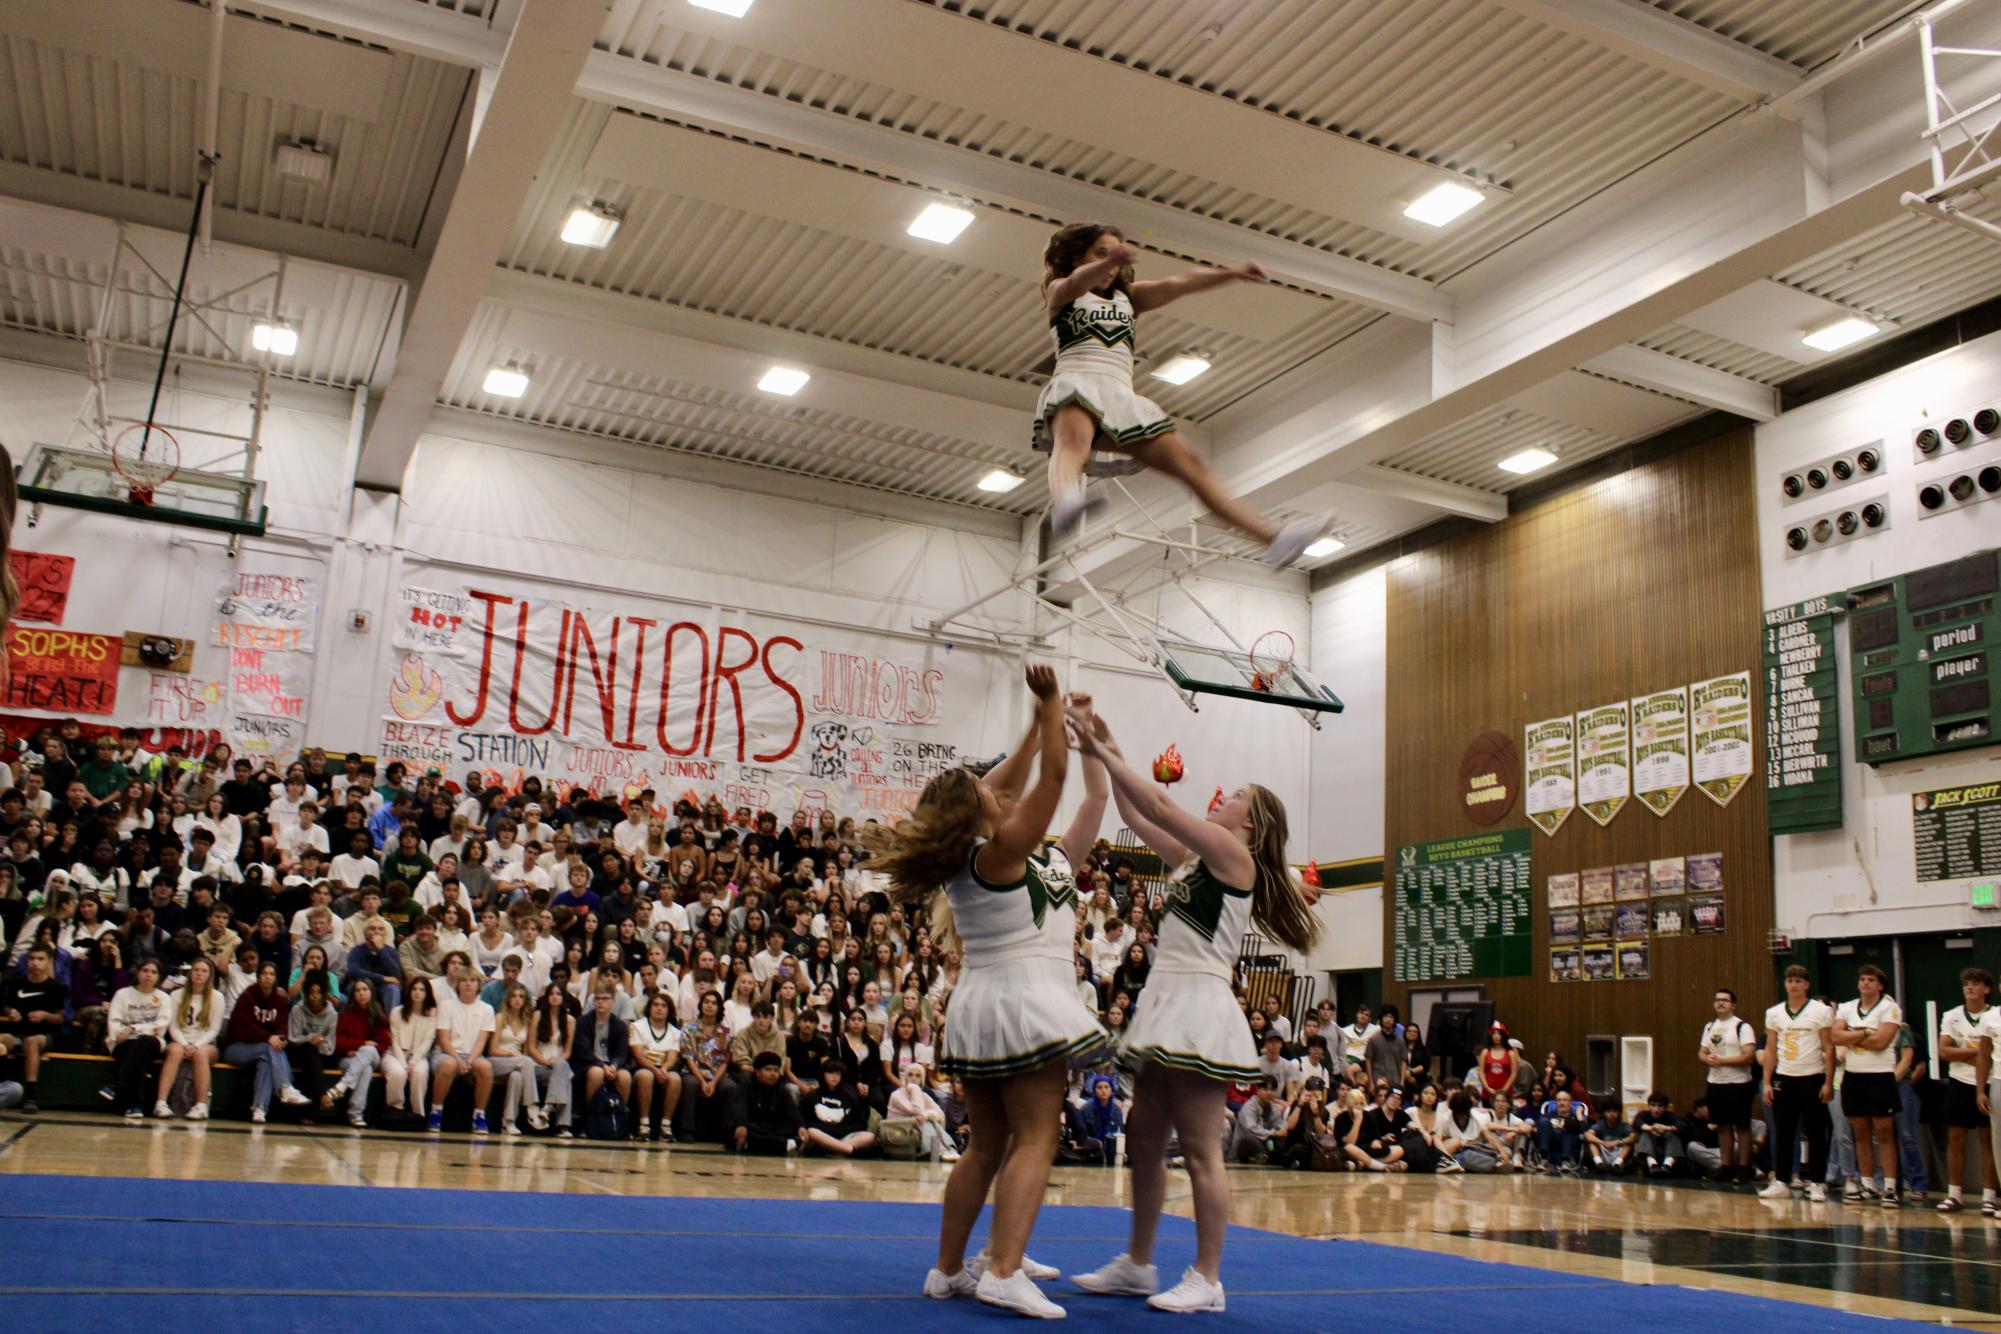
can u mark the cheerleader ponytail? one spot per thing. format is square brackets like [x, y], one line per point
[1278, 907]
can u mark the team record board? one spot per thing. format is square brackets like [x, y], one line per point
[1463, 908]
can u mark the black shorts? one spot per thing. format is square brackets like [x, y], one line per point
[1730, 1104]
[1873, 1094]
[1962, 1106]
[27, 1030]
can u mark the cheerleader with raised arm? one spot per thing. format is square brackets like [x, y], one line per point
[1187, 1037]
[1088, 406]
[1015, 1017]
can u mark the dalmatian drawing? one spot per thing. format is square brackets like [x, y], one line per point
[830, 756]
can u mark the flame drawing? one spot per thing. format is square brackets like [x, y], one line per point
[416, 689]
[1311, 876]
[1167, 767]
[1215, 801]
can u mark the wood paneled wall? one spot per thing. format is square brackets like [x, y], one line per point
[1638, 582]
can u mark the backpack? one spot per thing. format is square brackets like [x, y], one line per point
[899, 1137]
[605, 1117]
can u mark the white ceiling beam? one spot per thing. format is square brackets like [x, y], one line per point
[810, 351]
[382, 259]
[545, 52]
[1447, 497]
[665, 92]
[419, 29]
[1680, 378]
[628, 82]
[1654, 37]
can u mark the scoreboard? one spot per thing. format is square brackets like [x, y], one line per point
[1921, 658]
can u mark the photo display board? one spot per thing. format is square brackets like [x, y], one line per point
[1464, 908]
[1956, 832]
[1802, 719]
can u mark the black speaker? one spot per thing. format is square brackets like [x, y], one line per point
[1458, 1032]
[158, 650]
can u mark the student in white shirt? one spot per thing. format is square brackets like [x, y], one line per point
[629, 834]
[1966, 1040]
[1798, 1063]
[465, 1026]
[1729, 1047]
[356, 864]
[284, 807]
[301, 832]
[1354, 1038]
[1867, 1026]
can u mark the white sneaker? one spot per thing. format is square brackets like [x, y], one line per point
[160, 1109]
[198, 1112]
[1292, 541]
[948, 1155]
[257, 1116]
[942, 1286]
[1018, 1293]
[291, 1097]
[1068, 511]
[1777, 1190]
[1817, 1193]
[1192, 1293]
[537, 1118]
[1120, 1277]
[1039, 1272]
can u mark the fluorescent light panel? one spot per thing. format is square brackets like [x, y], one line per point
[783, 380]
[506, 382]
[1442, 203]
[736, 9]
[1181, 369]
[941, 223]
[280, 340]
[1529, 460]
[1326, 546]
[590, 226]
[1833, 337]
[1000, 479]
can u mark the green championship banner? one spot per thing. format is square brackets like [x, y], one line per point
[1604, 761]
[1463, 908]
[1549, 757]
[1720, 732]
[1660, 748]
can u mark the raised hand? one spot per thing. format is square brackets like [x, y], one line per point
[1041, 680]
[1252, 272]
[1123, 255]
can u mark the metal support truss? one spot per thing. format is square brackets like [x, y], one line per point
[1114, 617]
[261, 298]
[1963, 159]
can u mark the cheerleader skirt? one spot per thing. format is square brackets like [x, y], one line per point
[1123, 417]
[1190, 1021]
[1015, 1015]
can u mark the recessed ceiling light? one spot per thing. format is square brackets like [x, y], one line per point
[1181, 369]
[1442, 203]
[280, 340]
[783, 380]
[591, 225]
[736, 9]
[941, 223]
[1326, 546]
[1835, 336]
[507, 381]
[1529, 460]
[1001, 479]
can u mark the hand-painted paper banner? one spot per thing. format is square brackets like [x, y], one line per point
[61, 671]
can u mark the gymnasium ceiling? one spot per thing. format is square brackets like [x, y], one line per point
[1671, 197]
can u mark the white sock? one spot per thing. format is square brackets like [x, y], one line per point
[1953, 1191]
[1986, 1197]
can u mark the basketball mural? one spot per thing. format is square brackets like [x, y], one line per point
[1487, 778]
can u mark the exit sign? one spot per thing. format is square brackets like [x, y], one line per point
[1980, 896]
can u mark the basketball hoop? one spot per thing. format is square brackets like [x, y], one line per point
[1271, 659]
[145, 459]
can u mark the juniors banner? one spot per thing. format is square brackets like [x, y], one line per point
[757, 711]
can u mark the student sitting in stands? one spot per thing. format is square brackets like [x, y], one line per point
[1608, 1144]
[765, 1118]
[1660, 1146]
[836, 1121]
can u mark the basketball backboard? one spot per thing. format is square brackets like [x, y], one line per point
[85, 479]
[1204, 669]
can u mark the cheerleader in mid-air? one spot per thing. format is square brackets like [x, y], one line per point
[1089, 404]
[1187, 1036]
[1015, 1018]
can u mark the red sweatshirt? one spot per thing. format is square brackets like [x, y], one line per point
[355, 1030]
[258, 1017]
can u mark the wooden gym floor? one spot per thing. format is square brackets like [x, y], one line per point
[1912, 1263]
